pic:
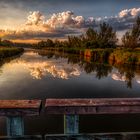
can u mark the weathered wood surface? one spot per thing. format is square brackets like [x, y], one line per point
[20, 103]
[92, 102]
[93, 106]
[19, 107]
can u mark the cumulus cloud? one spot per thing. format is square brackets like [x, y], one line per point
[58, 25]
[125, 19]
[65, 19]
[68, 23]
[68, 19]
[129, 13]
[35, 18]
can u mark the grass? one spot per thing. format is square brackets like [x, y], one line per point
[6, 52]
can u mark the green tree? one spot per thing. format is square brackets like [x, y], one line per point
[104, 38]
[131, 39]
[74, 41]
[49, 43]
[107, 36]
[91, 34]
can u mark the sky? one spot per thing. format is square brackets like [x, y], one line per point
[41, 19]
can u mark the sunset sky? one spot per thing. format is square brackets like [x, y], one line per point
[41, 19]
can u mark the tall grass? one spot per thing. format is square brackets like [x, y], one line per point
[6, 52]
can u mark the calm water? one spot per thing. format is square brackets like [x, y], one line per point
[41, 75]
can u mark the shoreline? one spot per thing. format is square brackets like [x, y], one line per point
[114, 56]
[9, 52]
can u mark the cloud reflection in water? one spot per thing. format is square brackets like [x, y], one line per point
[121, 77]
[118, 77]
[57, 68]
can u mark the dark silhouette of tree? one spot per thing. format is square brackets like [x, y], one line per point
[91, 34]
[74, 41]
[49, 43]
[107, 37]
[131, 39]
[104, 38]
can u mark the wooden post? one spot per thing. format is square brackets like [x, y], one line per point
[15, 126]
[71, 124]
[15, 110]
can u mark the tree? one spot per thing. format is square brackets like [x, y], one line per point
[131, 39]
[49, 43]
[91, 34]
[107, 37]
[41, 44]
[74, 41]
[104, 38]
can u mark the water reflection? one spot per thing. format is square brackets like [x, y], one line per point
[118, 77]
[40, 68]
[125, 73]
[40, 64]
[41, 75]
[129, 72]
[138, 79]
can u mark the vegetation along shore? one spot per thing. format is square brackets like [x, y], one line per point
[101, 43]
[7, 50]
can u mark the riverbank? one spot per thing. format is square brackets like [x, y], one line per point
[6, 52]
[110, 55]
[125, 56]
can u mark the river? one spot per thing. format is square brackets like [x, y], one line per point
[41, 75]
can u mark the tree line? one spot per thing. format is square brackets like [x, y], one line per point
[104, 37]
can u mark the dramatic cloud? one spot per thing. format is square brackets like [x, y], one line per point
[35, 18]
[65, 19]
[127, 13]
[68, 23]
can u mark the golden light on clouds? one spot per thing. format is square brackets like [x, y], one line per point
[39, 26]
[31, 41]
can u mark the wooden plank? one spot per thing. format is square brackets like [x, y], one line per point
[20, 103]
[19, 107]
[93, 106]
[92, 102]
[70, 110]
